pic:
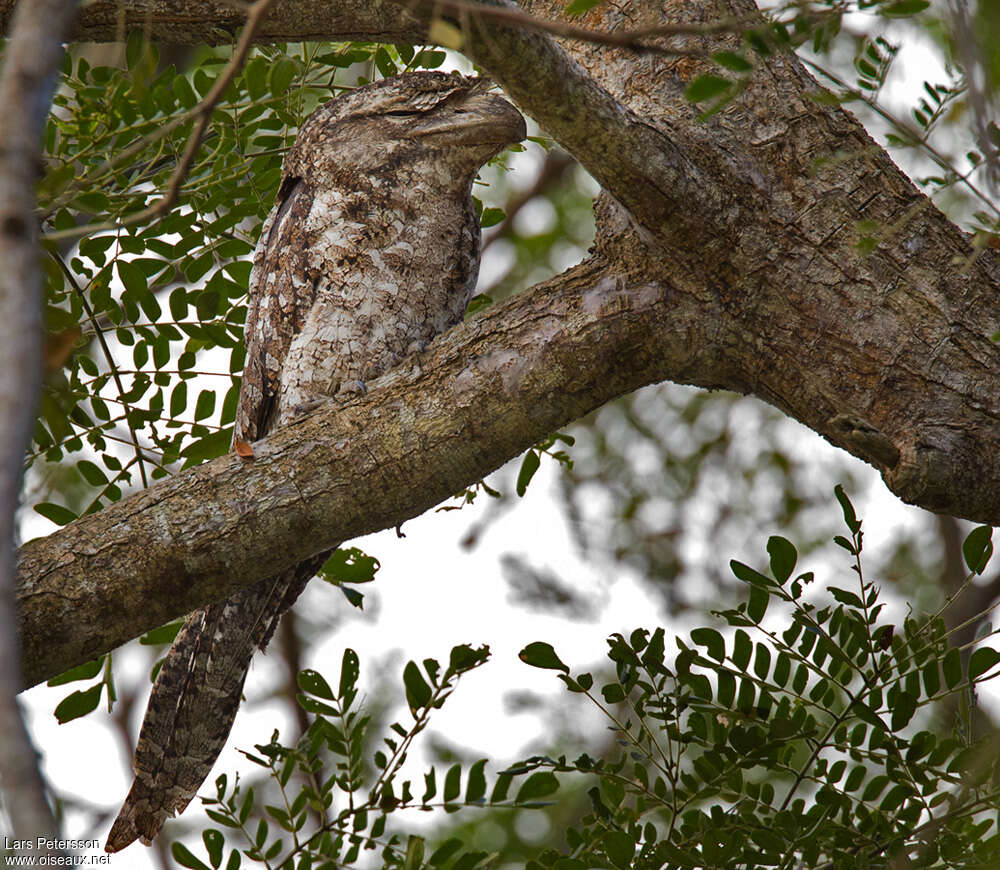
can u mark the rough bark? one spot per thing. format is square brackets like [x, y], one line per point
[480, 395]
[27, 79]
[727, 256]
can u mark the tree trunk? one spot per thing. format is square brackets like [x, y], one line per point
[727, 255]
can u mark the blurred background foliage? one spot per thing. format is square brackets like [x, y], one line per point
[144, 317]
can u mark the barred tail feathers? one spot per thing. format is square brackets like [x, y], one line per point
[195, 698]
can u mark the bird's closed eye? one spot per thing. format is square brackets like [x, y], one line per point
[402, 113]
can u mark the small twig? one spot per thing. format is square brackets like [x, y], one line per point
[203, 113]
[622, 39]
[970, 50]
[291, 652]
[109, 357]
[901, 127]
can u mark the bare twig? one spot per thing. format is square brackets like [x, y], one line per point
[291, 652]
[631, 39]
[970, 49]
[31, 61]
[203, 114]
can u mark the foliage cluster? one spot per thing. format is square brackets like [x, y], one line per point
[801, 736]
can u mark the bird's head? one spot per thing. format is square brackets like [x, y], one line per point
[405, 120]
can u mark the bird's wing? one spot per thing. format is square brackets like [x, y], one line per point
[280, 299]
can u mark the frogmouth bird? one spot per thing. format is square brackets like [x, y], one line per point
[371, 250]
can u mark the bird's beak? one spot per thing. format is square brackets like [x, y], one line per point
[478, 119]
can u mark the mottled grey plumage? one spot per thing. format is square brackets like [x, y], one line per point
[371, 250]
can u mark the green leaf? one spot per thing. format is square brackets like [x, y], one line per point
[207, 448]
[205, 406]
[903, 710]
[537, 785]
[541, 655]
[749, 575]
[91, 473]
[214, 842]
[247, 806]
[430, 785]
[313, 683]
[841, 541]
[732, 61]
[444, 852]
[452, 783]
[762, 661]
[56, 513]
[78, 704]
[579, 7]
[86, 671]
[418, 693]
[500, 788]
[475, 789]
[613, 693]
[311, 705]
[350, 565]
[783, 557]
[845, 597]
[845, 504]
[742, 649]
[981, 661]
[414, 859]
[529, 465]
[132, 277]
[163, 634]
[977, 548]
[464, 658]
[867, 715]
[757, 605]
[429, 59]
[282, 74]
[350, 670]
[479, 302]
[178, 399]
[712, 640]
[184, 857]
[705, 87]
[619, 847]
[384, 63]
[491, 217]
[903, 8]
[951, 667]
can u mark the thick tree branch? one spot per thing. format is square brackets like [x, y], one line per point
[27, 79]
[482, 394]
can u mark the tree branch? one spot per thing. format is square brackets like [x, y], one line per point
[731, 253]
[30, 63]
[483, 393]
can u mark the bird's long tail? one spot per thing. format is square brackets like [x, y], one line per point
[195, 699]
